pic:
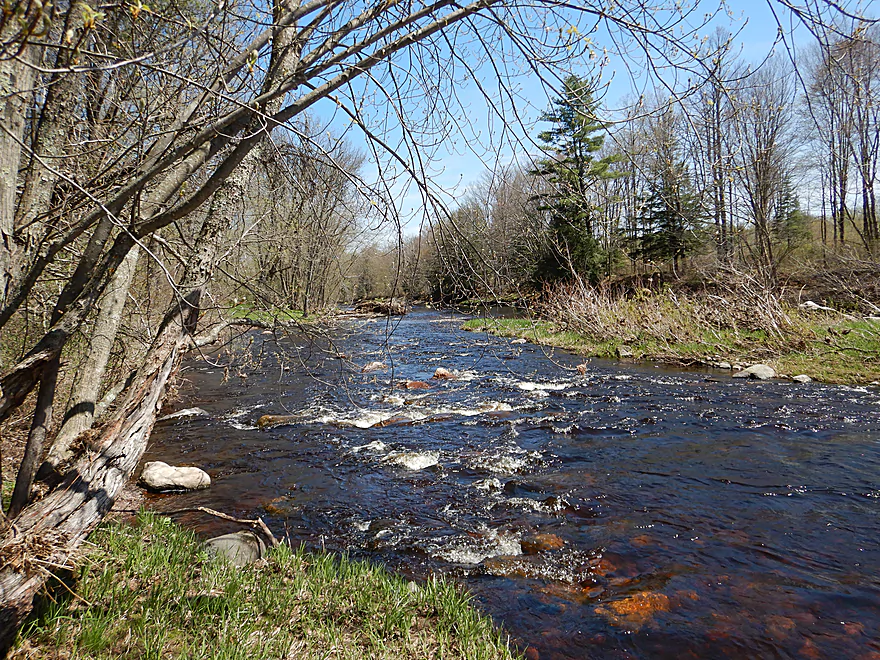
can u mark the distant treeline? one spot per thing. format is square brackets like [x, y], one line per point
[770, 168]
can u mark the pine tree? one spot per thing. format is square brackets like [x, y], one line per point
[670, 219]
[789, 226]
[571, 168]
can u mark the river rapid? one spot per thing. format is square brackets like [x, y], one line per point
[630, 511]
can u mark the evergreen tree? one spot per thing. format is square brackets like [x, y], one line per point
[670, 218]
[789, 225]
[571, 167]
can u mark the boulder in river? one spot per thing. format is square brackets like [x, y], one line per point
[757, 371]
[532, 545]
[624, 352]
[160, 476]
[802, 378]
[444, 374]
[186, 412]
[373, 366]
[238, 548]
[417, 385]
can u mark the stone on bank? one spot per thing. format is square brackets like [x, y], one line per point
[238, 548]
[758, 371]
[160, 476]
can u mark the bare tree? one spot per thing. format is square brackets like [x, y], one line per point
[765, 130]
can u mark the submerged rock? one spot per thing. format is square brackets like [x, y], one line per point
[634, 612]
[417, 385]
[239, 548]
[271, 421]
[160, 476]
[757, 371]
[532, 545]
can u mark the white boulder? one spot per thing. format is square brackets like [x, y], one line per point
[161, 476]
[758, 371]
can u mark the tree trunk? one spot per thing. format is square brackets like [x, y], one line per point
[90, 374]
[16, 83]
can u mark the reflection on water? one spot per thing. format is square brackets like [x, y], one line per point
[632, 511]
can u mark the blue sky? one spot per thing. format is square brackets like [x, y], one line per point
[474, 139]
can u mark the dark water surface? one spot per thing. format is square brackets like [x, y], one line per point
[697, 518]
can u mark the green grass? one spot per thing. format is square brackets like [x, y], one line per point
[269, 316]
[6, 489]
[148, 591]
[828, 350]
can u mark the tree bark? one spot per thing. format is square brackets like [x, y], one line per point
[16, 83]
[90, 374]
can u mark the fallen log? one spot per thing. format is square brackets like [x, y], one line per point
[47, 533]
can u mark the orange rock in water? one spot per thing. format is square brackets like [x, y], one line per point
[854, 628]
[635, 612]
[686, 594]
[575, 593]
[602, 567]
[417, 385]
[280, 506]
[271, 421]
[532, 545]
[642, 540]
[392, 421]
[809, 649]
[780, 627]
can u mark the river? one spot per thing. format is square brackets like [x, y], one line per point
[631, 511]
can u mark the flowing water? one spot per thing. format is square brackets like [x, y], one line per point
[631, 511]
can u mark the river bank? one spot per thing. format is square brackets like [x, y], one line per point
[148, 590]
[826, 348]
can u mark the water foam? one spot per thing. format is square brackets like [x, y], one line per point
[473, 549]
[186, 412]
[414, 460]
[376, 446]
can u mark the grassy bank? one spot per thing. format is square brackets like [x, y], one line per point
[148, 591]
[663, 327]
[268, 316]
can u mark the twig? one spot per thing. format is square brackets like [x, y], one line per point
[258, 523]
[62, 583]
